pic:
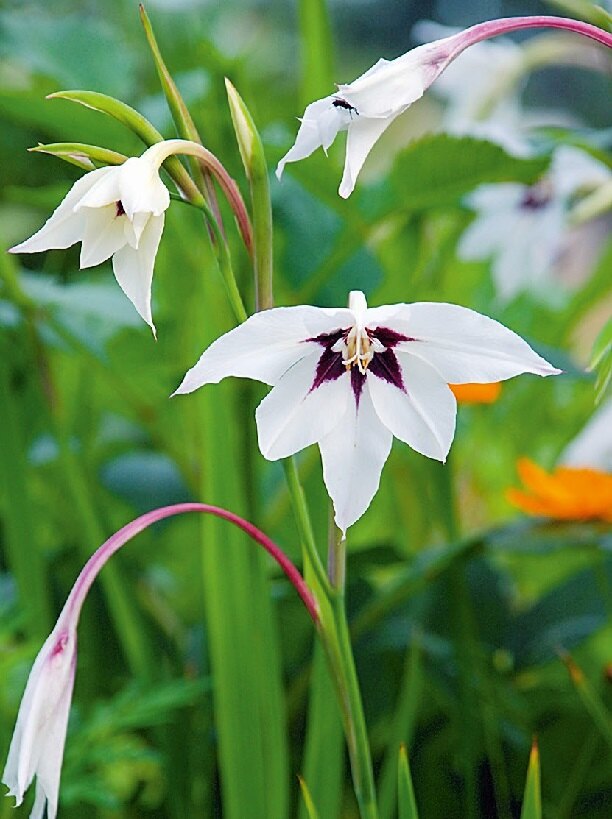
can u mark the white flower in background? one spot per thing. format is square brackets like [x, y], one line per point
[475, 90]
[351, 379]
[592, 447]
[115, 211]
[367, 106]
[523, 228]
[37, 746]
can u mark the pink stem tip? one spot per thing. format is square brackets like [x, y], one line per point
[127, 532]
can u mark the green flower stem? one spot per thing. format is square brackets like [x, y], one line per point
[313, 567]
[336, 640]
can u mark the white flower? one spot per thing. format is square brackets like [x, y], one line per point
[351, 379]
[524, 228]
[592, 447]
[37, 746]
[115, 211]
[367, 106]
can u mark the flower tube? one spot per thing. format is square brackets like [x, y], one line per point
[37, 746]
[367, 106]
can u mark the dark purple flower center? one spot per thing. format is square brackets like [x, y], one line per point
[536, 197]
[338, 357]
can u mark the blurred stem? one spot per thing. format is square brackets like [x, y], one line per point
[312, 560]
[337, 643]
[317, 50]
[25, 559]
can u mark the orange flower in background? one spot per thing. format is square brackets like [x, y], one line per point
[476, 393]
[567, 493]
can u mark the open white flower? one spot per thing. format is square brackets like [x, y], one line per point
[524, 228]
[37, 746]
[115, 211]
[351, 379]
[367, 106]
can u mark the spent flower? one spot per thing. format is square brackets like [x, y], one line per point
[351, 379]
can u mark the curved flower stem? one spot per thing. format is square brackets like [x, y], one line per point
[130, 530]
[505, 25]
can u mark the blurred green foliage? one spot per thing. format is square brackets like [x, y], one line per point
[198, 693]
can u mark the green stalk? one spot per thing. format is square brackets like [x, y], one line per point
[24, 556]
[317, 47]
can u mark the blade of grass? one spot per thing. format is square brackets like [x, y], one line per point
[406, 803]
[323, 761]
[310, 812]
[532, 800]
[590, 698]
[402, 727]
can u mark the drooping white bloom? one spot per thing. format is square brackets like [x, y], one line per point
[524, 228]
[367, 106]
[37, 746]
[115, 211]
[351, 379]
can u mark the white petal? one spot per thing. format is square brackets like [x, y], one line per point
[464, 346]
[292, 416]
[104, 192]
[318, 128]
[362, 134]
[103, 235]
[50, 763]
[422, 417]
[141, 189]
[64, 227]
[133, 268]
[264, 346]
[390, 87]
[572, 169]
[353, 456]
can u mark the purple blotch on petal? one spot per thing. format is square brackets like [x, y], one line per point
[386, 366]
[330, 365]
[388, 337]
[357, 381]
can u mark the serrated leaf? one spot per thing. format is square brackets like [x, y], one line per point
[406, 803]
[532, 800]
[438, 170]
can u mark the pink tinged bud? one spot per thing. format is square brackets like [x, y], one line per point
[37, 746]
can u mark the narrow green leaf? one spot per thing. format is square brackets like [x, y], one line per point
[601, 361]
[590, 698]
[406, 803]
[402, 725]
[254, 160]
[311, 811]
[323, 759]
[532, 800]
[180, 114]
[79, 154]
[317, 50]
[138, 124]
